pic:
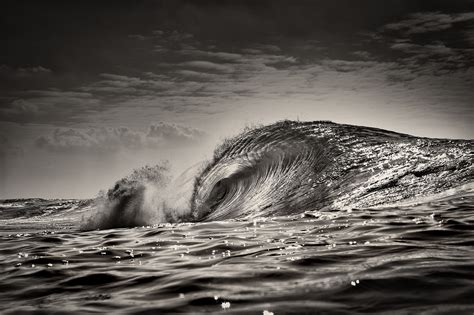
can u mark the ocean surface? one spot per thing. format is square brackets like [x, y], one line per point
[416, 259]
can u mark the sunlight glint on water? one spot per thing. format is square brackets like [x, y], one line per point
[409, 259]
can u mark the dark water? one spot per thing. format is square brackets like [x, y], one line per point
[416, 259]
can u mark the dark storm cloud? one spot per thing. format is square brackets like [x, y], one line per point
[109, 140]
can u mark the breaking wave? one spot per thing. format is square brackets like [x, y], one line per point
[147, 196]
[289, 168]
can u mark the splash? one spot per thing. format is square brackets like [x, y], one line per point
[150, 195]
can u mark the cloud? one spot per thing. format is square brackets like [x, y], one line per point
[175, 35]
[170, 36]
[437, 48]
[20, 72]
[158, 33]
[137, 36]
[226, 56]
[435, 55]
[122, 81]
[121, 85]
[346, 65]
[174, 133]
[93, 139]
[188, 85]
[50, 106]
[34, 70]
[429, 41]
[209, 66]
[429, 22]
[106, 140]
[363, 54]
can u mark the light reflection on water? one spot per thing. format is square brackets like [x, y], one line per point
[411, 259]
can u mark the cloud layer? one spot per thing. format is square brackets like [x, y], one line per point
[104, 140]
[424, 22]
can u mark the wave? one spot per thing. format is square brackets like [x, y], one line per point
[287, 168]
[292, 167]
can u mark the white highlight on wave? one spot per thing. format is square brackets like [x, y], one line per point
[253, 183]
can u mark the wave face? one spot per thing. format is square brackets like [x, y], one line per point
[292, 167]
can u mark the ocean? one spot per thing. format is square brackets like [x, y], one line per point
[401, 260]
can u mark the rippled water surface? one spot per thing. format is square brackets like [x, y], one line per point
[416, 259]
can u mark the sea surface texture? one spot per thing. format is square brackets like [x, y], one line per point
[290, 218]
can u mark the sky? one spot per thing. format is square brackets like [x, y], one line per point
[90, 90]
